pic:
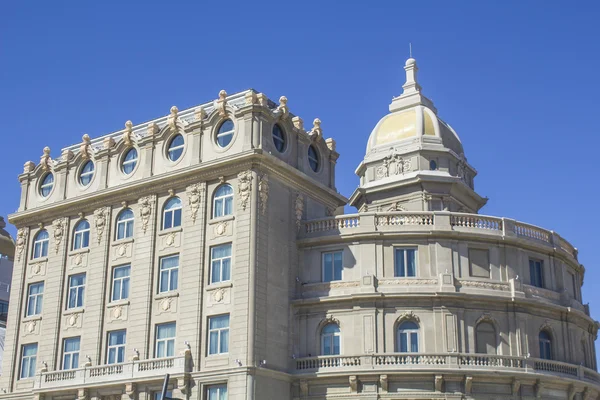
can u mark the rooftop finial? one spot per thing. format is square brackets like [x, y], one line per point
[409, 50]
[411, 85]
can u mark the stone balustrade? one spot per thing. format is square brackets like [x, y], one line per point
[395, 221]
[115, 373]
[440, 362]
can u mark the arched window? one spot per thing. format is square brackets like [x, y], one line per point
[130, 161]
[47, 185]
[175, 149]
[225, 133]
[172, 213]
[81, 235]
[313, 158]
[40, 244]
[330, 340]
[278, 138]
[408, 337]
[485, 338]
[545, 345]
[125, 224]
[87, 173]
[223, 201]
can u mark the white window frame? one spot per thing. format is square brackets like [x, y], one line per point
[126, 162]
[315, 159]
[79, 291]
[537, 263]
[29, 361]
[404, 249]
[115, 347]
[164, 340]
[170, 213]
[332, 336]
[175, 148]
[333, 252]
[219, 332]
[408, 333]
[220, 260]
[226, 133]
[38, 299]
[49, 185]
[223, 199]
[85, 174]
[121, 280]
[277, 139]
[170, 271]
[42, 243]
[70, 354]
[547, 344]
[126, 223]
[219, 388]
[81, 234]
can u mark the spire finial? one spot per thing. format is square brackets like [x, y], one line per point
[409, 50]
[411, 85]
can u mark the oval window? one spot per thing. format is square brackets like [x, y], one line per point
[87, 173]
[432, 165]
[225, 133]
[313, 158]
[130, 161]
[175, 148]
[47, 185]
[278, 138]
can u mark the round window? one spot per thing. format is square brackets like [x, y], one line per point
[225, 133]
[47, 185]
[130, 161]
[432, 165]
[87, 173]
[175, 149]
[313, 158]
[278, 138]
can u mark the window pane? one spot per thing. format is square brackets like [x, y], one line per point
[338, 268]
[225, 341]
[336, 344]
[410, 263]
[399, 263]
[414, 342]
[214, 343]
[403, 342]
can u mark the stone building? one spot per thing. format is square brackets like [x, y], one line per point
[7, 253]
[209, 244]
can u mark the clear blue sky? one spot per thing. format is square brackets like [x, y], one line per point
[518, 80]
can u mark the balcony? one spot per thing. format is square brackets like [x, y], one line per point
[112, 374]
[428, 222]
[452, 362]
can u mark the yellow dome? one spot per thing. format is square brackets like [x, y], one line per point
[402, 125]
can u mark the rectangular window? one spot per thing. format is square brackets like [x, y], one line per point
[536, 273]
[115, 351]
[216, 392]
[218, 334]
[165, 340]
[574, 283]
[479, 263]
[35, 295]
[158, 395]
[76, 290]
[169, 270]
[332, 266]
[120, 283]
[70, 353]
[28, 360]
[220, 261]
[405, 262]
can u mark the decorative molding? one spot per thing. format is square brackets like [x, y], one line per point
[46, 160]
[165, 304]
[263, 193]
[172, 119]
[21, 242]
[82, 394]
[537, 387]
[392, 165]
[146, 203]
[199, 114]
[219, 295]
[298, 123]
[100, 218]
[468, 384]
[304, 388]
[282, 110]
[316, 133]
[413, 281]
[194, 194]
[221, 103]
[485, 285]
[151, 129]
[128, 133]
[221, 228]
[330, 319]
[515, 386]
[59, 225]
[439, 383]
[408, 316]
[384, 383]
[397, 206]
[353, 382]
[324, 286]
[250, 98]
[86, 147]
[487, 317]
[117, 312]
[540, 292]
[299, 210]
[131, 390]
[244, 188]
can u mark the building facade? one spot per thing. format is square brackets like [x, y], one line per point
[210, 245]
[7, 253]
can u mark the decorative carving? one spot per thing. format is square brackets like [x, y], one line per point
[304, 388]
[407, 282]
[353, 382]
[82, 394]
[21, 242]
[130, 390]
[221, 228]
[122, 250]
[323, 286]
[199, 113]
[244, 188]
[30, 326]
[45, 160]
[299, 209]
[397, 206]
[172, 120]
[194, 193]
[263, 193]
[316, 133]
[384, 383]
[36, 269]
[461, 168]
[29, 166]
[330, 319]
[165, 304]
[170, 239]
[219, 295]
[572, 392]
[298, 123]
[439, 382]
[117, 312]
[408, 316]
[516, 386]
[67, 155]
[486, 317]
[468, 384]
[537, 388]
[383, 170]
[262, 99]
[72, 320]
[221, 103]
[100, 217]
[78, 259]
[145, 204]
[151, 129]
[540, 292]
[59, 225]
[587, 394]
[393, 164]
[128, 134]
[283, 109]
[86, 147]
[251, 98]
[330, 143]
[108, 143]
[485, 285]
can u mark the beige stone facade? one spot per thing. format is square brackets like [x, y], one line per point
[209, 244]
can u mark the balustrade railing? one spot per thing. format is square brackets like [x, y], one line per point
[476, 221]
[531, 231]
[404, 218]
[333, 223]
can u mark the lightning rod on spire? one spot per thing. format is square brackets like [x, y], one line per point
[410, 49]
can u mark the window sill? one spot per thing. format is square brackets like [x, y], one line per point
[123, 302]
[214, 221]
[75, 310]
[38, 260]
[117, 242]
[219, 285]
[170, 230]
[79, 251]
[163, 295]
[29, 318]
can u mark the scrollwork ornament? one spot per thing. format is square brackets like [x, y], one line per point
[244, 188]
[59, 226]
[263, 193]
[194, 193]
[299, 210]
[408, 316]
[100, 217]
[145, 204]
[21, 242]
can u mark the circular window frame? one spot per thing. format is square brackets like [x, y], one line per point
[39, 186]
[122, 160]
[166, 148]
[80, 170]
[218, 126]
[319, 159]
[285, 138]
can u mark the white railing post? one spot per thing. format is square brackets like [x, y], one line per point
[441, 221]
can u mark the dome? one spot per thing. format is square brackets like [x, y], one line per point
[7, 244]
